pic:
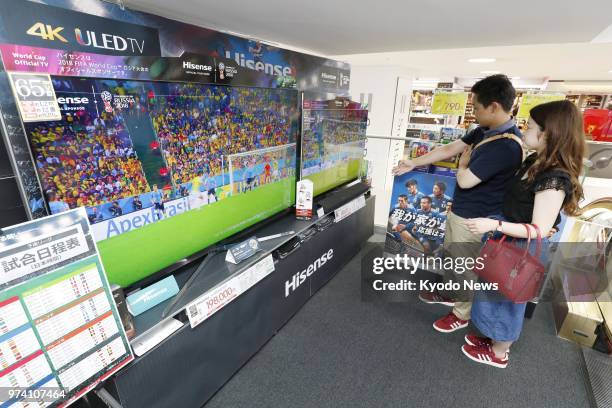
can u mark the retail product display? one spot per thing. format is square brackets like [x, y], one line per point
[333, 143]
[170, 167]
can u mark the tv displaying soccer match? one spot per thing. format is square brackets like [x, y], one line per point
[333, 143]
[166, 169]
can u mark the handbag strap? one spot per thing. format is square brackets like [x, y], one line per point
[538, 239]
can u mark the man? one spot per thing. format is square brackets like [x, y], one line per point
[93, 215]
[402, 201]
[211, 188]
[157, 199]
[137, 204]
[56, 206]
[427, 220]
[438, 198]
[482, 178]
[414, 195]
[249, 176]
[115, 209]
[448, 209]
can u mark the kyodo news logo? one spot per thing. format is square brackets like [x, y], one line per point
[88, 38]
[300, 277]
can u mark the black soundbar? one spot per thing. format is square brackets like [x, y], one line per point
[338, 198]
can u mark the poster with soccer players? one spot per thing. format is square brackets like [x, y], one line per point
[417, 217]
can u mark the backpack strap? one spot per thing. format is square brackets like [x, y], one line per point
[497, 137]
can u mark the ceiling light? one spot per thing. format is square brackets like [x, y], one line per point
[489, 72]
[481, 60]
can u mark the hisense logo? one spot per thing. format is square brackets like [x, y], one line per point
[267, 68]
[327, 76]
[300, 277]
[197, 67]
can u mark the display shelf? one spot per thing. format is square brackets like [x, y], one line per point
[189, 366]
[217, 272]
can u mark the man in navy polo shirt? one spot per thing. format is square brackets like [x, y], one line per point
[482, 179]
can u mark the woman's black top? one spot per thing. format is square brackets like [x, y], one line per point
[520, 196]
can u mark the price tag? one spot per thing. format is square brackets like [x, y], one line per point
[216, 299]
[35, 96]
[530, 101]
[449, 103]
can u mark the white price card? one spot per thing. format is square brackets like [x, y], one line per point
[349, 208]
[216, 299]
[35, 96]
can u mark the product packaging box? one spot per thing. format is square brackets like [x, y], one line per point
[303, 199]
[577, 321]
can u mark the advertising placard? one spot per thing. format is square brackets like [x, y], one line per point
[530, 101]
[60, 332]
[420, 203]
[35, 96]
[449, 103]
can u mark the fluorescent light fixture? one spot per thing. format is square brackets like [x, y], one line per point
[481, 60]
[489, 72]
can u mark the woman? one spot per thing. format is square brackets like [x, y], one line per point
[546, 183]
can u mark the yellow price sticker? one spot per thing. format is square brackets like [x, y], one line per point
[449, 103]
[530, 101]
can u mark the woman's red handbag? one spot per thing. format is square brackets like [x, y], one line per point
[518, 274]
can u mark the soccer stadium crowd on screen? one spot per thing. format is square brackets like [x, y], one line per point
[197, 130]
[86, 161]
[89, 160]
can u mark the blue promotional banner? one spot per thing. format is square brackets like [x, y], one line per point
[420, 203]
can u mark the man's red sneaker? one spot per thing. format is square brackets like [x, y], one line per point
[484, 355]
[450, 323]
[431, 298]
[478, 341]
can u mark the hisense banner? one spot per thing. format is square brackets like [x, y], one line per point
[73, 25]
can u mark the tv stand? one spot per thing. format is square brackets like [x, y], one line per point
[190, 365]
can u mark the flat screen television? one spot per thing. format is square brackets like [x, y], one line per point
[333, 143]
[166, 170]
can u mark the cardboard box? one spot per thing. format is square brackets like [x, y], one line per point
[577, 321]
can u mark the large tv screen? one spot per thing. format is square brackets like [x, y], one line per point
[333, 143]
[166, 169]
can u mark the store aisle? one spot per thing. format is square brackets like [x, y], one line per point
[341, 352]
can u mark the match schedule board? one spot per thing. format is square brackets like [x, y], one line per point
[60, 332]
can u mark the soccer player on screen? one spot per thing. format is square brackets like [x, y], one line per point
[267, 172]
[157, 199]
[249, 176]
[56, 206]
[210, 185]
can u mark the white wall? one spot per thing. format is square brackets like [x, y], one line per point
[380, 85]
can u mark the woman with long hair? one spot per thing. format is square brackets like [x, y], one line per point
[546, 183]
